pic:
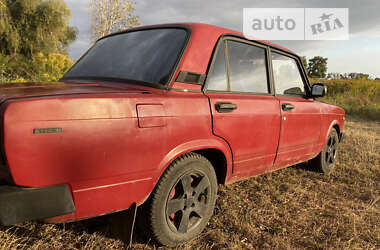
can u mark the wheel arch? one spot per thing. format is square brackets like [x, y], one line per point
[334, 125]
[218, 161]
[215, 150]
[337, 128]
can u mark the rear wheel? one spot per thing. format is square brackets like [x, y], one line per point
[183, 200]
[324, 162]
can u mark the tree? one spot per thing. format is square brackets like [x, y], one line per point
[332, 75]
[344, 76]
[51, 67]
[363, 76]
[9, 38]
[304, 62]
[109, 16]
[352, 75]
[355, 75]
[28, 27]
[317, 67]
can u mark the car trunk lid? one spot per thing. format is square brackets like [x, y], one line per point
[23, 90]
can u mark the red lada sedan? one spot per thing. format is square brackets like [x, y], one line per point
[160, 115]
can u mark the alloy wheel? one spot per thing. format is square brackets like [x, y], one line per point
[187, 203]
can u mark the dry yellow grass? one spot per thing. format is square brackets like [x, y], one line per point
[289, 209]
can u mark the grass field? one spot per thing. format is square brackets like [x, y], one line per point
[293, 208]
[360, 98]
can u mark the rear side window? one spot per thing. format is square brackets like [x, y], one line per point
[217, 79]
[287, 77]
[247, 68]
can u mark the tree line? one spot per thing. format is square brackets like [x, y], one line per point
[35, 35]
[316, 67]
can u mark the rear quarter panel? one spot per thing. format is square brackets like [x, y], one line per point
[103, 153]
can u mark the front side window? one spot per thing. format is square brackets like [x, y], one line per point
[287, 77]
[145, 56]
[247, 68]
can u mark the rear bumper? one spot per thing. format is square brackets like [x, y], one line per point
[18, 204]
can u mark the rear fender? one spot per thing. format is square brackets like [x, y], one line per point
[195, 145]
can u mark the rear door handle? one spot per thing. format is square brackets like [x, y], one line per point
[225, 107]
[287, 106]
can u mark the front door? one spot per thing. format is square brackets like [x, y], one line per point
[245, 112]
[300, 116]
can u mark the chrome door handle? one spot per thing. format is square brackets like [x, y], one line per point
[287, 106]
[225, 107]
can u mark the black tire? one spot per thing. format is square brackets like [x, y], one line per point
[183, 200]
[324, 161]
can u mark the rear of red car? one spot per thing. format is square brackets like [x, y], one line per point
[82, 142]
[19, 203]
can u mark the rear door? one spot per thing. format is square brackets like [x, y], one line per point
[244, 109]
[300, 115]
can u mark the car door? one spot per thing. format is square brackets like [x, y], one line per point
[300, 115]
[244, 109]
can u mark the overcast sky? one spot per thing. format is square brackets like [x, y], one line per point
[361, 53]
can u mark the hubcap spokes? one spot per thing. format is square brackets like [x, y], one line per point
[332, 145]
[187, 204]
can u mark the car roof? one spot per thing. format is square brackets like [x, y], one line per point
[202, 43]
[224, 31]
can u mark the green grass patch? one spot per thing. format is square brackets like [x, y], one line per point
[359, 98]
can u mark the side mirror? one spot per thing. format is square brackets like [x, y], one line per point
[318, 90]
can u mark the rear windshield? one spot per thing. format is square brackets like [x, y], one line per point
[144, 56]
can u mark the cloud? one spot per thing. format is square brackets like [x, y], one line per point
[81, 19]
[364, 19]
[363, 14]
